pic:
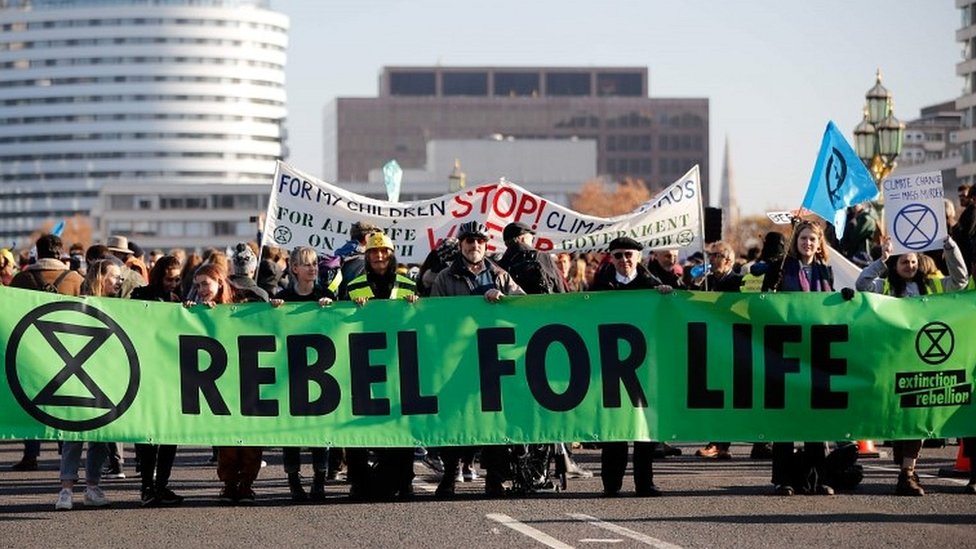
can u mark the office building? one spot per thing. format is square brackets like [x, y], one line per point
[137, 95]
[654, 139]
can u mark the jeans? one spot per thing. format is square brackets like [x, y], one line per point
[94, 459]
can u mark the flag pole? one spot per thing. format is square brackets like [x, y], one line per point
[701, 226]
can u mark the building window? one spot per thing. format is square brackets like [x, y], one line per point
[568, 83]
[516, 84]
[413, 83]
[121, 202]
[619, 84]
[466, 83]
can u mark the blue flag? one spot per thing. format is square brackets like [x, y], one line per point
[839, 180]
[58, 229]
[392, 176]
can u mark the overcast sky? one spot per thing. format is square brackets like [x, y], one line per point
[774, 71]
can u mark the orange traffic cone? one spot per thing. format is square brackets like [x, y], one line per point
[866, 449]
[961, 468]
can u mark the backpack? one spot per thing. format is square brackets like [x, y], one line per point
[526, 271]
[48, 286]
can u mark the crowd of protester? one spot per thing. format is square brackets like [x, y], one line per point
[366, 269]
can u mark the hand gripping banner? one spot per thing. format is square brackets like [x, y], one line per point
[303, 211]
[590, 367]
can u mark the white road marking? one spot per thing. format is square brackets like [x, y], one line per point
[626, 532]
[960, 482]
[529, 531]
[598, 540]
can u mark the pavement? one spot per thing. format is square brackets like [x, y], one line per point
[706, 503]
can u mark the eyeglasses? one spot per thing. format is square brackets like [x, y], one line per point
[473, 239]
[621, 255]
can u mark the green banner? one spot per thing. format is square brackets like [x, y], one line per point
[445, 371]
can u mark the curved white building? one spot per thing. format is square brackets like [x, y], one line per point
[138, 94]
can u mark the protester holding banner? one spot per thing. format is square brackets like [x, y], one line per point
[103, 279]
[303, 264]
[156, 460]
[627, 274]
[804, 269]
[900, 276]
[237, 466]
[472, 273]
[394, 466]
[49, 274]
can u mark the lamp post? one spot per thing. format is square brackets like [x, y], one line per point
[879, 137]
[456, 179]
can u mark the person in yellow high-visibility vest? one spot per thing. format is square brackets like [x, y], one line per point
[394, 467]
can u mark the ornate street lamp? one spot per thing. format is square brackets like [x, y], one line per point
[879, 137]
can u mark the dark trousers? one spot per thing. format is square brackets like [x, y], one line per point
[155, 464]
[814, 458]
[613, 464]
[901, 449]
[238, 465]
[32, 449]
[394, 470]
[291, 457]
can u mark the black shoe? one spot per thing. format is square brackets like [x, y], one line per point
[245, 496]
[295, 487]
[783, 490]
[649, 492]
[970, 488]
[823, 490]
[761, 451]
[228, 494]
[168, 497]
[317, 493]
[25, 464]
[149, 498]
[611, 492]
[494, 488]
[446, 487]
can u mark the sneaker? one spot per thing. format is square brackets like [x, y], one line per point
[168, 497]
[25, 464]
[908, 485]
[783, 490]
[264, 464]
[710, 451]
[95, 497]
[434, 462]
[468, 473]
[64, 502]
[113, 472]
[573, 470]
[459, 477]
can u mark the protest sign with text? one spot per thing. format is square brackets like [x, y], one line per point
[303, 211]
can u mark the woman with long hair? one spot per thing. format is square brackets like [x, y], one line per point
[900, 276]
[237, 466]
[103, 279]
[156, 460]
[804, 269]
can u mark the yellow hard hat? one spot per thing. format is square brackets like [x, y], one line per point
[378, 240]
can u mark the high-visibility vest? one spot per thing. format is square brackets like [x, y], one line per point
[402, 287]
[934, 284]
[752, 283]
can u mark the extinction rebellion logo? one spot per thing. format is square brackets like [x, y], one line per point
[934, 344]
[72, 367]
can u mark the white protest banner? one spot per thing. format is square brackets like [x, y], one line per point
[914, 212]
[303, 211]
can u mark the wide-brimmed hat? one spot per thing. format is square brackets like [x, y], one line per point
[118, 244]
